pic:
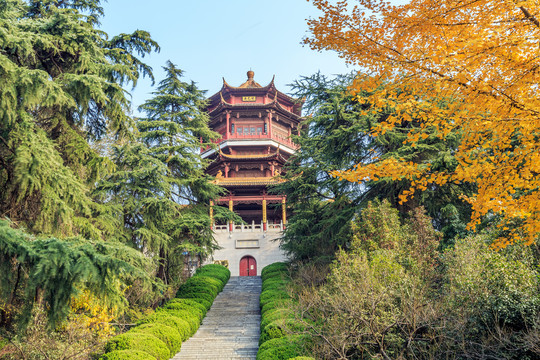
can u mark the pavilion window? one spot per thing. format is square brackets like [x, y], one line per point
[259, 130]
[240, 130]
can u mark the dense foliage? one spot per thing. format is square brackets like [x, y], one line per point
[61, 85]
[483, 55]
[394, 296]
[107, 206]
[337, 135]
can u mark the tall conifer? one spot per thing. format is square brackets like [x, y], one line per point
[61, 83]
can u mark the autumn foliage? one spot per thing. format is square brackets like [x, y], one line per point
[466, 66]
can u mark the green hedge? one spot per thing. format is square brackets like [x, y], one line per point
[169, 335]
[127, 355]
[276, 314]
[279, 328]
[183, 306]
[139, 341]
[203, 298]
[283, 348]
[191, 318]
[273, 295]
[277, 317]
[275, 304]
[159, 336]
[275, 284]
[181, 325]
[277, 266]
[191, 302]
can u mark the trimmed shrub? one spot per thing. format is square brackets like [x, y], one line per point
[127, 355]
[139, 341]
[275, 284]
[303, 358]
[217, 271]
[275, 304]
[192, 297]
[165, 333]
[196, 287]
[185, 315]
[208, 298]
[276, 314]
[182, 306]
[276, 275]
[191, 302]
[277, 266]
[283, 348]
[181, 325]
[272, 295]
[277, 329]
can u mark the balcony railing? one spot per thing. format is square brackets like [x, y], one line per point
[276, 137]
[253, 227]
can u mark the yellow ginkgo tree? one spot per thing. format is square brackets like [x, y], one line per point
[481, 58]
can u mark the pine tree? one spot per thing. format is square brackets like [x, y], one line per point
[61, 85]
[160, 182]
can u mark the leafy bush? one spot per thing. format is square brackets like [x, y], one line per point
[181, 325]
[272, 295]
[191, 318]
[190, 302]
[276, 314]
[169, 335]
[275, 284]
[127, 355]
[280, 328]
[217, 271]
[274, 304]
[182, 306]
[277, 266]
[208, 298]
[190, 287]
[283, 348]
[195, 297]
[139, 341]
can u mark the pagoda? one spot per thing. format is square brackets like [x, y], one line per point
[255, 123]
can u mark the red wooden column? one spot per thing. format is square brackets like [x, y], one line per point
[264, 212]
[284, 211]
[270, 124]
[211, 214]
[231, 209]
[228, 117]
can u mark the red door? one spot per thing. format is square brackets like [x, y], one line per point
[248, 266]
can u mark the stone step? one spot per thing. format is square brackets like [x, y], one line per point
[230, 329]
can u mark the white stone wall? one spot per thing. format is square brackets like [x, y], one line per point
[248, 241]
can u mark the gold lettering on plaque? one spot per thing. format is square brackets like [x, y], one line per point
[249, 98]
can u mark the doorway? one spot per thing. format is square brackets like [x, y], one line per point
[248, 266]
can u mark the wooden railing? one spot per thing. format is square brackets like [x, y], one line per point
[253, 227]
[280, 139]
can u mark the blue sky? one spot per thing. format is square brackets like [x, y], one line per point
[211, 39]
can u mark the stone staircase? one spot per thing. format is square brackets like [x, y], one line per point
[230, 329]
